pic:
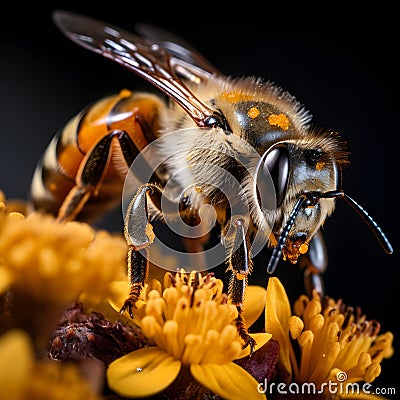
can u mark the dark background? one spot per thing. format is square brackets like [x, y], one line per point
[340, 64]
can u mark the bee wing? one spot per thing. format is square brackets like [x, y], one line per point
[146, 58]
[182, 52]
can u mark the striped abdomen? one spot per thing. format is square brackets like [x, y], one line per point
[59, 169]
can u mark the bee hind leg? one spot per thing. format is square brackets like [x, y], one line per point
[240, 264]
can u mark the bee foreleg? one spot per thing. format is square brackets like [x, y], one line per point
[138, 270]
[91, 172]
[314, 263]
[139, 235]
[240, 264]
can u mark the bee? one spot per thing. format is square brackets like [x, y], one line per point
[243, 146]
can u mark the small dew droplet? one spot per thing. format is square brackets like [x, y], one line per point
[138, 369]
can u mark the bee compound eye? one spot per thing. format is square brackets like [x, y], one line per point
[272, 170]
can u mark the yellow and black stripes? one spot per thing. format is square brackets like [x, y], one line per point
[131, 119]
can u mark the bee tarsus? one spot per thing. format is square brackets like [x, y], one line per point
[243, 333]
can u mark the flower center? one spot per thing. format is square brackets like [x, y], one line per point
[334, 338]
[192, 320]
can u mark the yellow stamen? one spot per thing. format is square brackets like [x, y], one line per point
[232, 352]
[155, 306]
[373, 371]
[170, 331]
[210, 346]
[296, 326]
[382, 347]
[313, 308]
[316, 323]
[171, 298]
[192, 320]
[300, 305]
[324, 363]
[334, 339]
[358, 371]
[192, 354]
[227, 335]
[153, 330]
[305, 341]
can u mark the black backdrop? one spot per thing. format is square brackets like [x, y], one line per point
[341, 65]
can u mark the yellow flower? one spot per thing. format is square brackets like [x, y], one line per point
[192, 324]
[336, 343]
[54, 262]
[22, 377]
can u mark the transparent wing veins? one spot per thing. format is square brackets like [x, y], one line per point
[145, 58]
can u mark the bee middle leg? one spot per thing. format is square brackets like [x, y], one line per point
[240, 264]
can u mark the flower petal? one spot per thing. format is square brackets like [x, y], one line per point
[254, 304]
[142, 373]
[277, 314]
[227, 380]
[119, 293]
[16, 362]
[260, 338]
[5, 280]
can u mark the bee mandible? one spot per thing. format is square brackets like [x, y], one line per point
[288, 172]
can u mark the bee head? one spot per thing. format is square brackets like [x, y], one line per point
[306, 177]
[297, 167]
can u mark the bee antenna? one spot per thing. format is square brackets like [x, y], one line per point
[376, 230]
[311, 199]
[277, 252]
